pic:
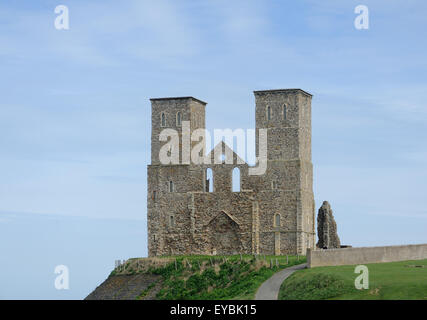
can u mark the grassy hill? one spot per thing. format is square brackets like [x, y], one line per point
[192, 277]
[393, 280]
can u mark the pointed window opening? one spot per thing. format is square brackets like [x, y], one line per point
[236, 180]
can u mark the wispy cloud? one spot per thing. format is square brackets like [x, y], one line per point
[75, 109]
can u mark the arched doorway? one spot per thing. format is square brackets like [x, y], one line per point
[224, 234]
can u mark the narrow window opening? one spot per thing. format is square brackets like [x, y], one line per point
[154, 196]
[277, 220]
[274, 185]
[172, 221]
[284, 112]
[209, 180]
[178, 119]
[268, 113]
[170, 186]
[163, 120]
[236, 180]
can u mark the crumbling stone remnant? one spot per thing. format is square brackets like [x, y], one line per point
[327, 228]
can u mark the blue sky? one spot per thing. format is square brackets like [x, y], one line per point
[75, 117]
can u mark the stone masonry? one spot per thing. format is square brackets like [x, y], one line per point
[327, 228]
[273, 213]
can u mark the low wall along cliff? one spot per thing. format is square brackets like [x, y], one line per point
[350, 256]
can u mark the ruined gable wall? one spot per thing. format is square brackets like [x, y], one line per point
[236, 204]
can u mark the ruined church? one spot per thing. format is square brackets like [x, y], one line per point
[193, 209]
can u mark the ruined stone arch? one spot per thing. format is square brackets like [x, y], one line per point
[223, 233]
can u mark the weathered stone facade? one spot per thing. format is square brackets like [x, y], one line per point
[273, 213]
[327, 228]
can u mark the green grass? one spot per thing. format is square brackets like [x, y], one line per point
[219, 277]
[387, 281]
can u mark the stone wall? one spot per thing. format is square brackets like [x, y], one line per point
[363, 255]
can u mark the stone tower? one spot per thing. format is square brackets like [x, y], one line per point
[168, 185]
[286, 114]
[272, 213]
[171, 113]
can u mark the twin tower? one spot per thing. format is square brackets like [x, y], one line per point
[192, 208]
